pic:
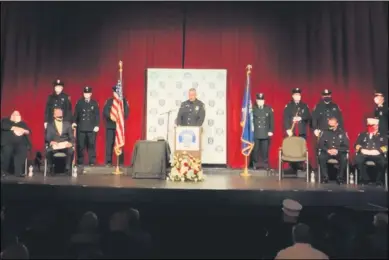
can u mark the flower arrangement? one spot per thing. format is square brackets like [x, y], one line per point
[185, 167]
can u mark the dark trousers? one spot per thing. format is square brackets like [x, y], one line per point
[261, 150]
[18, 152]
[69, 157]
[323, 163]
[86, 140]
[109, 144]
[380, 164]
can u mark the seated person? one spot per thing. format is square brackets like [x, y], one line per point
[371, 146]
[14, 143]
[59, 133]
[334, 144]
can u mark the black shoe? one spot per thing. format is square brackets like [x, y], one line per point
[255, 168]
[91, 164]
[108, 165]
[379, 184]
[339, 181]
[22, 175]
[324, 180]
[67, 172]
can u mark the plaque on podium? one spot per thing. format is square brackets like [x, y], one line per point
[188, 140]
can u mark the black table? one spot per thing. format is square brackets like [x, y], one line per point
[150, 160]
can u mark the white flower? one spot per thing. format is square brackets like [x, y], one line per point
[182, 179]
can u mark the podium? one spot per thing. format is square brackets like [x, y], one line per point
[186, 164]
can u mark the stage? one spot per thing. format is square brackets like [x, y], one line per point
[222, 186]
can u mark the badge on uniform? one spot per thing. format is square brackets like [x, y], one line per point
[381, 139]
[92, 107]
[197, 108]
[340, 136]
[302, 111]
[380, 113]
[62, 99]
[267, 114]
[334, 109]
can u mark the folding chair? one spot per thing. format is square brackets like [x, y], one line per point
[334, 161]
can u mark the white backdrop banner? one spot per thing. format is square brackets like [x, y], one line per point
[167, 88]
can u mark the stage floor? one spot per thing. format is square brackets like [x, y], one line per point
[222, 186]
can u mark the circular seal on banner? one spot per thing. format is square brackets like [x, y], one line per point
[154, 93]
[161, 121]
[220, 94]
[211, 122]
[219, 131]
[220, 112]
[179, 84]
[211, 103]
[153, 111]
[195, 85]
[161, 102]
[220, 76]
[153, 75]
[187, 138]
[187, 75]
[219, 149]
[210, 140]
[211, 85]
[178, 103]
[152, 129]
[162, 84]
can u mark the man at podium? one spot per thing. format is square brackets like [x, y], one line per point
[192, 111]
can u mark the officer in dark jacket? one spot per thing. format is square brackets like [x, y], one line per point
[371, 146]
[263, 131]
[58, 99]
[381, 113]
[15, 143]
[110, 128]
[323, 111]
[333, 144]
[86, 119]
[192, 111]
[297, 113]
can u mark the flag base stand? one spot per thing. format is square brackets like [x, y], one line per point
[117, 170]
[245, 172]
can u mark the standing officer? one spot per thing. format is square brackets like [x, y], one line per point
[192, 111]
[297, 113]
[58, 99]
[86, 119]
[110, 128]
[323, 111]
[381, 113]
[371, 145]
[263, 131]
[333, 143]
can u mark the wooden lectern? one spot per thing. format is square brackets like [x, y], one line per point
[187, 139]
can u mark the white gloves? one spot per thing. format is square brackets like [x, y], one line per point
[317, 132]
[74, 125]
[45, 125]
[296, 119]
[96, 129]
[270, 134]
[289, 132]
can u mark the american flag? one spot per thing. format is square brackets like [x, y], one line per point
[117, 112]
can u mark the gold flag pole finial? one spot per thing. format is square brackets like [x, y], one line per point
[249, 68]
[120, 66]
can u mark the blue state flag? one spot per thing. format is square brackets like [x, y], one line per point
[246, 121]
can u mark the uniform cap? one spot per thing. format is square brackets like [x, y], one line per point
[326, 92]
[291, 208]
[373, 121]
[58, 82]
[260, 96]
[378, 93]
[87, 89]
[296, 91]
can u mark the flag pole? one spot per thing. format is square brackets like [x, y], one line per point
[117, 150]
[245, 172]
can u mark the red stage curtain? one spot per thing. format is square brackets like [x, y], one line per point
[340, 46]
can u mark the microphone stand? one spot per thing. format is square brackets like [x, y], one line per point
[168, 121]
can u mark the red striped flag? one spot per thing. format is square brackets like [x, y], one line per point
[117, 112]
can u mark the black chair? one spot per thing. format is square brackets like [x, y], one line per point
[372, 164]
[334, 161]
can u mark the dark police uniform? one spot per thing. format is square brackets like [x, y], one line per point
[58, 101]
[110, 128]
[87, 117]
[333, 139]
[13, 146]
[323, 111]
[263, 124]
[381, 113]
[373, 142]
[302, 110]
[191, 113]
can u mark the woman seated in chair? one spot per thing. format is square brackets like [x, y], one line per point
[60, 138]
[371, 146]
[15, 143]
[334, 144]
